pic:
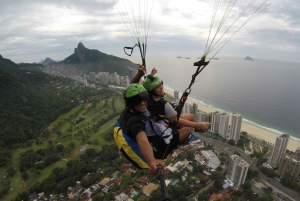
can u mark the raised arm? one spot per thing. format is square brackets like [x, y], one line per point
[140, 73]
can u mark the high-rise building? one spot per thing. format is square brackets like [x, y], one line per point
[237, 170]
[131, 73]
[176, 95]
[186, 109]
[279, 149]
[297, 153]
[92, 77]
[289, 166]
[235, 127]
[116, 78]
[201, 116]
[127, 81]
[195, 109]
[223, 125]
[215, 121]
[122, 81]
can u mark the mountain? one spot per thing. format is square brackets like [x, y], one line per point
[85, 60]
[47, 61]
[6, 63]
[248, 58]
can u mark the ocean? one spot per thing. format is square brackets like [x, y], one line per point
[265, 93]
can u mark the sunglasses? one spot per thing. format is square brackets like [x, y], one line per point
[137, 99]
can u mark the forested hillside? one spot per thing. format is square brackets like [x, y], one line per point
[30, 100]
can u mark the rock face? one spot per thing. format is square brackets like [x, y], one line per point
[80, 52]
[248, 58]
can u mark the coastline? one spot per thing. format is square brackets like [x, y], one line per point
[251, 129]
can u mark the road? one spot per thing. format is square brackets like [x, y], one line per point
[275, 184]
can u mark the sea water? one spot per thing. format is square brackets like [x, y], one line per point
[265, 93]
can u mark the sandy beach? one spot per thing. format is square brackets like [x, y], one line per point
[251, 129]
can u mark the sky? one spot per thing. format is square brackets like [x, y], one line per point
[33, 30]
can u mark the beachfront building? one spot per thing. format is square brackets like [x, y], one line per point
[223, 125]
[201, 116]
[237, 170]
[176, 95]
[235, 127]
[289, 166]
[195, 109]
[215, 121]
[297, 153]
[186, 109]
[279, 149]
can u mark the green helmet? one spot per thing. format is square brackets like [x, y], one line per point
[134, 95]
[151, 82]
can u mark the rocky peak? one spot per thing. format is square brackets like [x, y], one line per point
[80, 52]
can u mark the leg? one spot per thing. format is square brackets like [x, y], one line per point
[189, 117]
[184, 134]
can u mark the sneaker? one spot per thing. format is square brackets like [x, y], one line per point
[192, 138]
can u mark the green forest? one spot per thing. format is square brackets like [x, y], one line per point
[38, 134]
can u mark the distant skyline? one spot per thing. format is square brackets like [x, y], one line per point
[33, 30]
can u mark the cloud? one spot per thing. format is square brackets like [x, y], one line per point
[33, 30]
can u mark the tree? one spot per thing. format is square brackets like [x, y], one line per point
[71, 145]
[24, 175]
[231, 142]
[11, 171]
[248, 193]
[50, 142]
[98, 198]
[268, 190]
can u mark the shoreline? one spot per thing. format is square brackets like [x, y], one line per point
[252, 129]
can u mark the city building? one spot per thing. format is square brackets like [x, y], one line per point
[176, 95]
[297, 153]
[223, 125]
[215, 121]
[201, 116]
[237, 170]
[195, 109]
[279, 149]
[289, 166]
[235, 127]
[186, 109]
[92, 77]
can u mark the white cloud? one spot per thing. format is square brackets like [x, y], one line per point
[32, 30]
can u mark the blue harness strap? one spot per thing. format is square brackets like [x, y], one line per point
[129, 147]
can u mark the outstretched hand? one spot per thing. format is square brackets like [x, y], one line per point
[155, 164]
[203, 125]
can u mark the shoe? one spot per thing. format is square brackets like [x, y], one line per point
[192, 138]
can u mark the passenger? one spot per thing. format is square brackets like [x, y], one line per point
[137, 123]
[162, 108]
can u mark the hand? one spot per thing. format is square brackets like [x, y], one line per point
[154, 165]
[141, 70]
[153, 71]
[202, 125]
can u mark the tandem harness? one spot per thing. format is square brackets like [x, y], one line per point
[129, 147]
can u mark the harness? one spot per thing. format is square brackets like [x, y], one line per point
[157, 107]
[158, 138]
